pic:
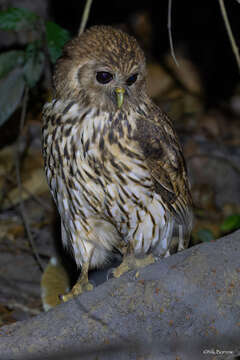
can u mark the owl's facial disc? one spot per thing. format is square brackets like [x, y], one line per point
[121, 86]
[105, 77]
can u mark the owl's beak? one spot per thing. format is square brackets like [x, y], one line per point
[119, 92]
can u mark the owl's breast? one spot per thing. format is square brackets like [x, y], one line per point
[95, 169]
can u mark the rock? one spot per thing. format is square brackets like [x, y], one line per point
[185, 306]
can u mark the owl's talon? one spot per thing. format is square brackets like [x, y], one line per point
[80, 287]
[65, 297]
[91, 282]
[122, 268]
[130, 262]
[60, 296]
[110, 274]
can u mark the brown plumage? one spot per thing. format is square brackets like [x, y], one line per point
[112, 158]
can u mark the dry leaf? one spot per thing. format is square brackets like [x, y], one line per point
[186, 73]
[35, 184]
[158, 80]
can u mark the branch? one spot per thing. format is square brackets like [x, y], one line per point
[229, 31]
[85, 16]
[169, 25]
[223, 159]
[47, 72]
[19, 182]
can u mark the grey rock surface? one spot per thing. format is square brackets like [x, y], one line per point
[186, 306]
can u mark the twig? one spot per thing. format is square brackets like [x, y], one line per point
[85, 16]
[229, 31]
[169, 26]
[16, 305]
[215, 157]
[19, 183]
[47, 72]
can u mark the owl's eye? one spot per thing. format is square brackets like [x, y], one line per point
[131, 80]
[104, 77]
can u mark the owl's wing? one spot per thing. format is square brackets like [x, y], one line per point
[163, 156]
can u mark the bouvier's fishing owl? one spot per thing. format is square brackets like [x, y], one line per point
[112, 158]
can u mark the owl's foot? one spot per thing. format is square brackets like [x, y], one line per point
[130, 262]
[80, 287]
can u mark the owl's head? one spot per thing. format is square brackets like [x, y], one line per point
[104, 68]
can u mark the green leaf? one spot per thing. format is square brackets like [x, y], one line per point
[11, 91]
[33, 67]
[205, 235]
[17, 19]
[9, 60]
[231, 223]
[56, 38]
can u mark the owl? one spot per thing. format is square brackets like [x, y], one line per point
[112, 158]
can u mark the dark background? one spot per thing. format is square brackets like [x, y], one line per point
[197, 28]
